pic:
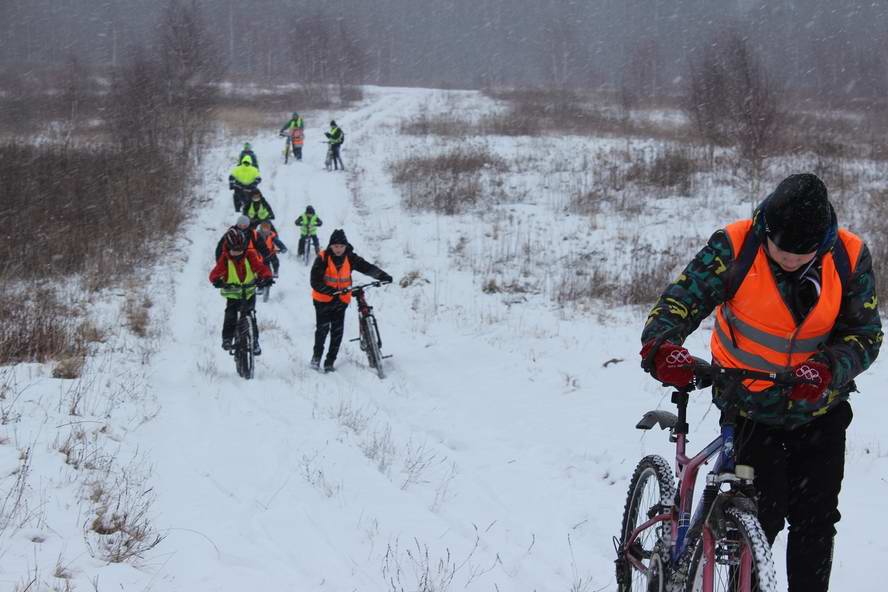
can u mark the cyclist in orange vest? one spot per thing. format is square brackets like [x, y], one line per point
[269, 237]
[791, 290]
[332, 272]
[238, 264]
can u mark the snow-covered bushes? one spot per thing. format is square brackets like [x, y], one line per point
[449, 182]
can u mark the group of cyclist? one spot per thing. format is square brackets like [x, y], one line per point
[791, 291]
[294, 131]
[248, 254]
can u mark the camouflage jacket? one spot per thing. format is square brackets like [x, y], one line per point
[851, 348]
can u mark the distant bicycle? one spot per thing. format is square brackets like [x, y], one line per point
[368, 329]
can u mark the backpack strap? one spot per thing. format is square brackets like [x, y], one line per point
[741, 264]
[842, 261]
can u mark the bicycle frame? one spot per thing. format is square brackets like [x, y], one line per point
[687, 469]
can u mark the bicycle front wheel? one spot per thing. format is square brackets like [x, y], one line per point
[740, 560]
[374, 351]
[651, 491]
[244, 348]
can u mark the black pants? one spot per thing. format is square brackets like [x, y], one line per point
[798, 475]
[239, 199]
[337, 160]
[305, 239]
[274, 262]
[330, 319]
[229, 326]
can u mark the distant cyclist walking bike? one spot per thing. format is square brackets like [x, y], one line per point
[331, 277]
[335, 139]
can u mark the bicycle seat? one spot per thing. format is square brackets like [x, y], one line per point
[665, 419]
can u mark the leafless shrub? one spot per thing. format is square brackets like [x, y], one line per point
[138, 314]
[583, 279]
[417, 460]
[121, 528]
[732, 99]
[317, 477]
[447, 183]
[379, 447]
[649, 272]
[12, 506]
[445, 125]
[416, 564]
[351, 417]
[670, 168]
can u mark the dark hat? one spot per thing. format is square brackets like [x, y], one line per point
[798, 215]
[338, 237]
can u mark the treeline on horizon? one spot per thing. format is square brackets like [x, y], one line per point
[824, 48]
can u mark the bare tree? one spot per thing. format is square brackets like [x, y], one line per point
[189, 62]
[732, 99]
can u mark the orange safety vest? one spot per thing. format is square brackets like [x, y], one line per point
[756, 330]
[336, 279]
[269, 242]
[298, 136]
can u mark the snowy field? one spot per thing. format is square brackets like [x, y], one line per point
[494, 456]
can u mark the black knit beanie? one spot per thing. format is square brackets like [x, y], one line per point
[798, 214]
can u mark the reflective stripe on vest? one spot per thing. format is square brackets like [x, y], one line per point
[336, 279]
[233, 278]
[756, 329]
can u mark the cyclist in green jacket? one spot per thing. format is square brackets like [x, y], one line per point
[336, 137]
[308, 226]
[244, 178]
[257, 209]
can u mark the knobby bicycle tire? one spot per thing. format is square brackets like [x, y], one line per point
[244, 348]
[742, 530]
[653, 471]
[373, 334]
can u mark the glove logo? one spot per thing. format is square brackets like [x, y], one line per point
[806, 372]
[678, 357]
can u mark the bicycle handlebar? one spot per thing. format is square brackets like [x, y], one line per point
[375, 284]
[705, 373]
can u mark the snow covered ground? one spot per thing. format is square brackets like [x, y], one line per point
[495, 455]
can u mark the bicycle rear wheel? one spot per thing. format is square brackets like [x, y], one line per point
[742, 559]
[651, 491]
[244, 349]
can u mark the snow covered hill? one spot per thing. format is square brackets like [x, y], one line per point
[495, 455]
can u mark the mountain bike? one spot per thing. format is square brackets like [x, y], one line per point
[721, 545]
[307, 247]
[288, 145]
[368, 330]
[328, 159]
[244, 338]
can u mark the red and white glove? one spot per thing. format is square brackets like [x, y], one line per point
[672, 364]
[817, 372]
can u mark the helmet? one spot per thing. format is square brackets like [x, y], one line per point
[243, 222]
[234, 240]
[798, 216]
[295, 114]
[309, 210]
[332, 123]
[247, 146]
